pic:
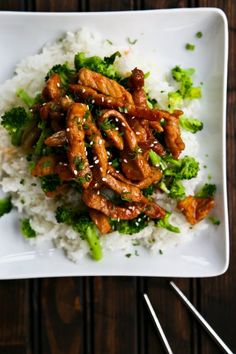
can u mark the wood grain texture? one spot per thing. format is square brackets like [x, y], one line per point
[62, 316]
[14, 317]
[57, 6]
[114, 315]
[12, 5]
[164, 4]
[111, 5]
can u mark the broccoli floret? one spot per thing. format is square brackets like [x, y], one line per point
[149, 190]
[95, 63]
[208, 190]
[65, 72]
[156, 160]
[26, 229]
[49, 183]
[177, 190]
[39, 146]
[185, 168]
[83, 225]
[5, 206]
[166, 225]
[186, 89]
[214, 220]
[190, 124]
[23, 95]
[175, 100]
[190, 46]
[15, 121]
[130, 227]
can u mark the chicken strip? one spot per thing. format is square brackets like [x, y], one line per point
[52, 89]
[77, 154]
[45, 166]
[104, 85]
[195, 209]
[87, 93]
[100, 220]
[135, 168]
[97, 143]
[173, 136]
[154, 177]
[127, 191]
[93, 199]
[57, 139]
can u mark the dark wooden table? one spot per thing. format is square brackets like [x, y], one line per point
[105, 315]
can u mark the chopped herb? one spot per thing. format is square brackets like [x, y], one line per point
[136, 243]
[128, 255]
[125, 198]
[5, 206]
[26, 229]
[190, 46]
[79, 163]
[49, 183]
[107, 124]
[133, 154]
[86, 115]
[147, 74]
[22, 181]
[199, 34]
[109, 42]
[130, 41]
[136, 253]
[160, 252]
[149, 190]
[214, 220]
[116, 163]
[123, 109]
[208, 190]
[47, 163]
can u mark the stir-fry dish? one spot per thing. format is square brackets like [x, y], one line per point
[101, 138]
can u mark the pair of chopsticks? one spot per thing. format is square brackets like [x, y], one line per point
[196, 314]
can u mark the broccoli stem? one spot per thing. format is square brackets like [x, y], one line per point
[91, 236]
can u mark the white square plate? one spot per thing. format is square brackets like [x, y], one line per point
[163, 33]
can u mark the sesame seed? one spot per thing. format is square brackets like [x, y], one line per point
[67, 129]
[75, 172]
[102, 99]
[117, 128]
[108, 101]
[96, 162]
[138, 133]
[104, 179]
[98, 192]
[91, 143]
[66, 96]
[151, 145]
[110, 163]
[91, 166]
[123, 124]
[93, 101]
[125, 161]
[58, 85]
[96, 185]
[83, 90]
[133, 117]
[116, 119]
[44, 104]
[118, 219]
[117, 171]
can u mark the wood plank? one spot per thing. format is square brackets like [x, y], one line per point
[164, 4]
[218, 294]
[114, 315]
[14, 317]
[62, 316]
[11, 5]
[112, 5]
[56, 6]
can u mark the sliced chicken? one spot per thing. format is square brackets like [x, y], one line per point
[57, 139]
[100, 220]
[195, 209]
[53, 89]
[173, 138]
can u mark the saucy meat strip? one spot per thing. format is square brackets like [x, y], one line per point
[97, 143]
[57, 139]
[77, 154]
[45, 166]
[100, 220]
[173, 138]
[52, 89]
[195, 209]
[98, 202]
[127, 191]
[85, 93]
[135, 169]
[104, 85]
[129, 135]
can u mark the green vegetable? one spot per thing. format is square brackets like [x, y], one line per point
[5, 206]
[15, 121]
[39, 146]
[79, 163]
[177, 190]
[107, 124]
[26, 229]
[23, 95]
[185, 168]
[190, 124]
[164, 223]
[130, 41]
[208, 190]
[186, 89]
[95, 63]
[156, 160]
[83, 225]
[199, 34]
[190, 46]
[49, 183]
[130, 227]
[65, 72]
[149, 190]
[214, 220]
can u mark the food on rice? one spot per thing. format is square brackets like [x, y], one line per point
[98, 157]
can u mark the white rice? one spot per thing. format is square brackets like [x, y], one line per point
[30, 200]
